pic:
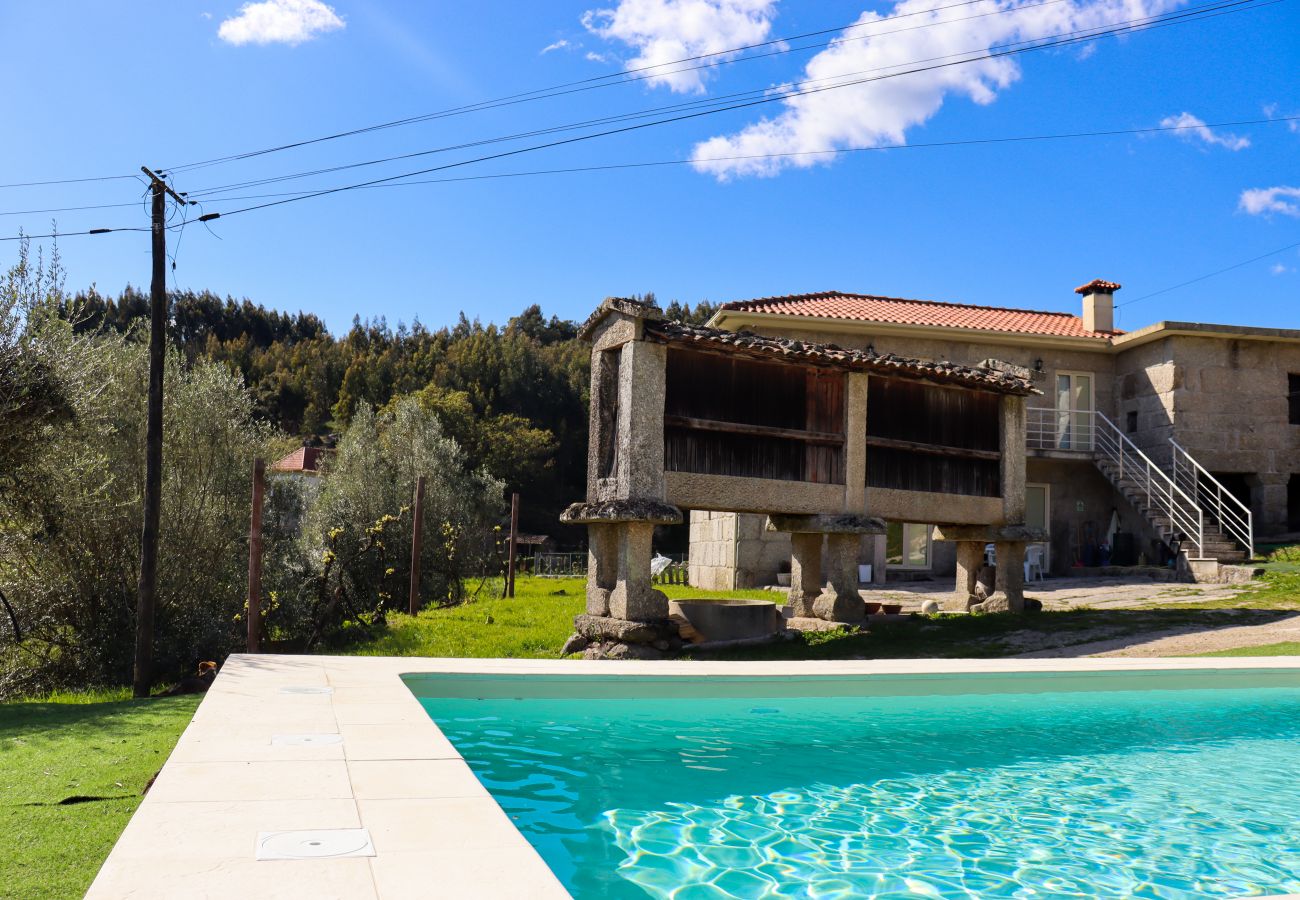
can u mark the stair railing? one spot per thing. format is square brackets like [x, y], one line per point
[1220, 504]
[1156, 487]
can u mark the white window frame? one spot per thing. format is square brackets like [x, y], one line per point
[1069, 422]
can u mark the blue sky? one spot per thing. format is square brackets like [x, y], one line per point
[105, 87]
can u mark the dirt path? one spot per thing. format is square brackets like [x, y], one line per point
[1182, 641]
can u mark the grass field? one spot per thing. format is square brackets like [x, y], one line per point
[72, 769]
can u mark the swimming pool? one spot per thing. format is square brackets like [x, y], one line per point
[1106, 784]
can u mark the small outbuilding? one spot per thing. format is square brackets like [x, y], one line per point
[828, 442]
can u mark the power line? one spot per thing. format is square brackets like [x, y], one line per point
[723, 103]
[19, 184]
[707, 102]
[57, 234]
[1118, 28]
[1183, 284]
[961, 142]
[597, 81]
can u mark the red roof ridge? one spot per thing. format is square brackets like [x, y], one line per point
[740, 304]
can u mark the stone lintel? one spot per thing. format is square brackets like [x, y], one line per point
[989, 534]
[632, 509]
[848, 523]
[636, 309]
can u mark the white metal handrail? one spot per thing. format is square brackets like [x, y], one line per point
[1050, 428]
[1159, 490]
[1222, 506]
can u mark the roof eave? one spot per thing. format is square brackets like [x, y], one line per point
[723, 317]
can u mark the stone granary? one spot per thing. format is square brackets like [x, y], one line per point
[826, 443]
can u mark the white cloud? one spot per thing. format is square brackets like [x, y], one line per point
[1279, 269]
[1274, 111]
[595, 57]
[279, 22]
[662, 31]
[881, 112]
[1263, 201]
[558, 45]
[1195, 129]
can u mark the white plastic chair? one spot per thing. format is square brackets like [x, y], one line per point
[1033, 562]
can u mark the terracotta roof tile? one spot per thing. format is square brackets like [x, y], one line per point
[304, 459]
[760, 347]
[895, 310]
[1098, 286]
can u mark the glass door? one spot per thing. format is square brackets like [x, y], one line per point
[1074, 411]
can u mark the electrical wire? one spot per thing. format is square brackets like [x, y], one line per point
[598, 81]
[1147, 23]
[706, 103]
[1200, 278]
[963, 142]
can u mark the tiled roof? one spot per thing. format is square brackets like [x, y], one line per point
[869, 308]
[304, 459]
[756, 346]
[1098, 286]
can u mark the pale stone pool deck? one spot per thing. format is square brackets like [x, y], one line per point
[435, 830]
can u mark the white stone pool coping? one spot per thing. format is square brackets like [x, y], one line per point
[436, 831]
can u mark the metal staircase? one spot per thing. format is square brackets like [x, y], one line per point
[1185, 505]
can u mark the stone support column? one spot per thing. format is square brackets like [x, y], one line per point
[840, 601]
[1011, 574]
[634, 596]
[970, 559]
[805, 573]
[602, 567]
[642, 382]
[855, 443]
[1013, 459]
[1009, 542]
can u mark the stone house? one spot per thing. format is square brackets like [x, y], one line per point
[1176, 438]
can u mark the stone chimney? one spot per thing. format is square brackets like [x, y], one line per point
[1098, 304]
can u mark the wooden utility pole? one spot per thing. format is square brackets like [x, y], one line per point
[255, 559]
[417, 534]
[147, 589]
[514, 540]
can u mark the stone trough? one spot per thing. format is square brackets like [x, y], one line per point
[725, 621]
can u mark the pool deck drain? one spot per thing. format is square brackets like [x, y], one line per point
[432, 828]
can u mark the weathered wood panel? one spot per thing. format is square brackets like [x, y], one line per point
[726, 415]
[916, 435]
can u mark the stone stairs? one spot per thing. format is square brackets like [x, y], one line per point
[1215, 544]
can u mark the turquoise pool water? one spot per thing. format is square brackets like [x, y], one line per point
[1157, 786]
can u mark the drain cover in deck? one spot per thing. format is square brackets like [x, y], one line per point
[332, 843]
[305, 740]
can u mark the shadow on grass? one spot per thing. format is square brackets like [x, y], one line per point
[973, 636]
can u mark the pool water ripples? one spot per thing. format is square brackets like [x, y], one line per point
[1152, 794]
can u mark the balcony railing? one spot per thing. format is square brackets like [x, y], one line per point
[1047, 428]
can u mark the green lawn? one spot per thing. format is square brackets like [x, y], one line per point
[63, 748]
[1285, 648]
[534, 623]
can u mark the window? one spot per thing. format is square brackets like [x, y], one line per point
[1132, 421]
[907, 546]
[1293, 398]
[1074, 410]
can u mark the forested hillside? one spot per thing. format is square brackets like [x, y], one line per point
[513, 396]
